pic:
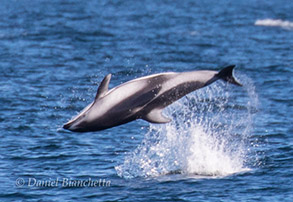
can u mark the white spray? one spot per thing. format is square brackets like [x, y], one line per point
[208, 135]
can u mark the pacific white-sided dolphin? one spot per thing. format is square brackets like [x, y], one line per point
[142, 98]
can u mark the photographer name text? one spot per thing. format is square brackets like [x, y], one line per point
[62, 182]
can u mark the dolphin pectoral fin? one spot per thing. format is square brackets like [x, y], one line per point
[156, 116]
[104, 86]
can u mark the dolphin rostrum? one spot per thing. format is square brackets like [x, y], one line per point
[142, 98]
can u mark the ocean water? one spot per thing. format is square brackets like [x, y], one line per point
[225, 143]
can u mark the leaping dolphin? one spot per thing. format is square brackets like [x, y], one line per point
[142, 98]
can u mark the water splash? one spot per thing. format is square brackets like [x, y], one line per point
[209, 135]
[275, 23]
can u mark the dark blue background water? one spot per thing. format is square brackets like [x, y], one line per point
[54, 53]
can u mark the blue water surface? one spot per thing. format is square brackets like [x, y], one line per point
[53, 54]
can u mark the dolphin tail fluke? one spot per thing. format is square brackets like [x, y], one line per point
[226, 74]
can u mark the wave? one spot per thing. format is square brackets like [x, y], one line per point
[207, 137]
[274, 23]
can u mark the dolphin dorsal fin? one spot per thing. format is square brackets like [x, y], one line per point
[156, 116]
[104, 86]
